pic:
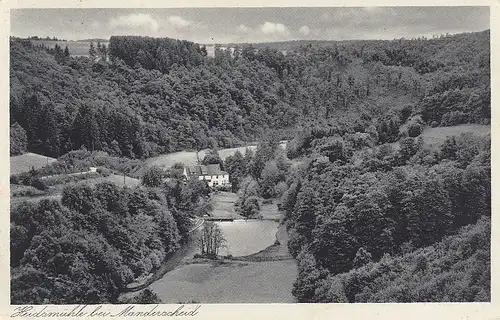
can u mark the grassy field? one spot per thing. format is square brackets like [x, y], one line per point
[24, 162]
[270, 211]
[223, 206]
[188, 158]
[434, 137]
[235, 282]
[116, 179]
[55, 191]
[267, 276]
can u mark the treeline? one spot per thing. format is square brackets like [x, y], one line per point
[96, 240]
[164, 95]
[156, 53]
[357, 200]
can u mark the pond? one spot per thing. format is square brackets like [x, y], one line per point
[245, 237]
[232, 281]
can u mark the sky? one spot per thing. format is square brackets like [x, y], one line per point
[237, 25]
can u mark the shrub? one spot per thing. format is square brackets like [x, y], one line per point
[147, 297]
[152, 177]
[39, 184]
[105, 172]
[414, 130]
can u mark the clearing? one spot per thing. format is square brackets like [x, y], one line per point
[223, 206]
[434, 137]
[188, 158]
[116, 179]
[55, 191]
[24, 162]
[262, 270]
[234, 282]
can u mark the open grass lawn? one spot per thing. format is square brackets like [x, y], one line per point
[116, 179]
[235, 282]
[188, 158]
[24, 162]
[55, 192]
[434, 137]
[223, 206]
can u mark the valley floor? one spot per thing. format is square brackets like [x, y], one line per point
[264, 276]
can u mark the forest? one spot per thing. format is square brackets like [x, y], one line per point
[149, 96]
[87, 247]
[369, 205]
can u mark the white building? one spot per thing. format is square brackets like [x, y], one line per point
[211, 173]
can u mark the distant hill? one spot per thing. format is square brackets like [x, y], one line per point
[296, 44]
[93, 39]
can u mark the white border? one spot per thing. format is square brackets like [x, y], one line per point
[262, 311]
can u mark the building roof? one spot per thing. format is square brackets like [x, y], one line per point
[208, 170]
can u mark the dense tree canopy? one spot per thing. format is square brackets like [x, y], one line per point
[89, 246]
[162, 95]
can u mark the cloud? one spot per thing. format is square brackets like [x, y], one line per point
[304, 30]
[274, 28]
[95, 24]
[179, 22]
[325, 16]
[139, 20]
[244, 28]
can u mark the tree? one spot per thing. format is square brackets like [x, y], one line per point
[414, 130]
[79, 198]
[333, 246]
[18, 140]
[305, 211]
[309, 278]
[270, 177]
[212, 157]
[92, 51]
[449, 148]
[429, 218]
[335, 150]
[153, 177]
[247, 203]
[408, 148]
[211, 240]
[236, 167]
[146, 297]
[362, 257]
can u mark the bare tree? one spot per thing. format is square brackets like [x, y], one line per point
[212, 240]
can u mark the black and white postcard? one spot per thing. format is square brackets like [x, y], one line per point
[287, 161]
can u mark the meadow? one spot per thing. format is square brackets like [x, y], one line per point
[27, 161]
[434, 137]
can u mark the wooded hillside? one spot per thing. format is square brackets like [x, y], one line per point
[163, 95]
